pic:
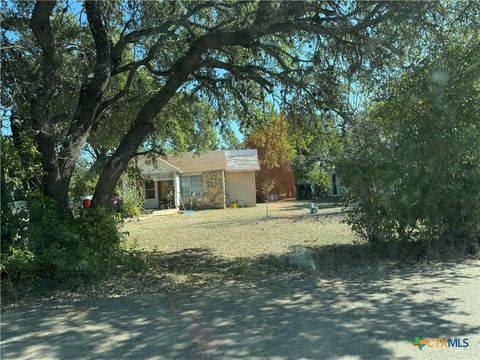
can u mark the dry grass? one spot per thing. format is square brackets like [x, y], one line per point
[175, 252]
[220, 246]
[244, 232]
[229, 246]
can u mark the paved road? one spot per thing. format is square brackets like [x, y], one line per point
[370, 315]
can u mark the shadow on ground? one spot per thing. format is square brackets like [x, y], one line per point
[321, 204]
[325, 260]
[149, 272]
[320, 218]
[370, 315]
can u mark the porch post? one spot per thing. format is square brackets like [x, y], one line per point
[176, 186]
[157, 195]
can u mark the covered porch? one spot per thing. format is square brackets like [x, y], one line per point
[162, 190]
[161, 184]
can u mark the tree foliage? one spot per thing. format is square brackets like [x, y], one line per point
[274, 138]
[275, 152]
[413, 166]
[115, 67]
[319, 143]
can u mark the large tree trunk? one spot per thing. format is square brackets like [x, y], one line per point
[91, 94]
[143, 125]
[60, 167]
[144, 122]
[118, 163]
[56, 186]
[59, 164]
[41, 118]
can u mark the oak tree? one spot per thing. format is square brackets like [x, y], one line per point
[65, 66]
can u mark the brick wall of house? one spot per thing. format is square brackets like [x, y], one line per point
[213, 189]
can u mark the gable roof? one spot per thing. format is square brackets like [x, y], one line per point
[159, 165]
[169, 164]
[228, 160]
[198, 162]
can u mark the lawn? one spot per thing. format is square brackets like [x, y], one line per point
[242, 232]
[213, 246]
[232, 246]
[179, 252]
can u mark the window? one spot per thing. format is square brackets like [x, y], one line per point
[149, 189]
[191, 186]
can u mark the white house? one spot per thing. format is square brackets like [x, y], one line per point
[212, 179]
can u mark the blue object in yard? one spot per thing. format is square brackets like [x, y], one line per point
[313, 208]
[187, 212]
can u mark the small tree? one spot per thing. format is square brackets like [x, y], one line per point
[268, 186]
[275, 152]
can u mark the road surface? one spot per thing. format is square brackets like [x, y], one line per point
[374, 314]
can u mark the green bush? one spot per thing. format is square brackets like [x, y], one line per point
[130, 190]
[83, 182]
[17, 169]
[18, 263]
[12, 220]
[132, 201]
[61, 248]
[413, 165]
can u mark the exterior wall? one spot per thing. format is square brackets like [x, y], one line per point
[241, 186]
[213, 189]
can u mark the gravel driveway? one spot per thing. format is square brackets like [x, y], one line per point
[373, 314]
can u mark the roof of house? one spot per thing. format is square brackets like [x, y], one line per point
[228, 160]
[198, 162]
[241, 160]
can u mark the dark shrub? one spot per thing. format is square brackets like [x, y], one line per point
[59, 247]
[413, 165]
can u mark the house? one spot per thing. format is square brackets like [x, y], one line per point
[206, 180]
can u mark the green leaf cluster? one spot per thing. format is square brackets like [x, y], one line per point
[413, 164]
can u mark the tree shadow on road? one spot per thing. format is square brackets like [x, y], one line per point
[357, 314]
[312, 258]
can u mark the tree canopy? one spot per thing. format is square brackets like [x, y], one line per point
[412, 165]
[75, 72]
[388, 91]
